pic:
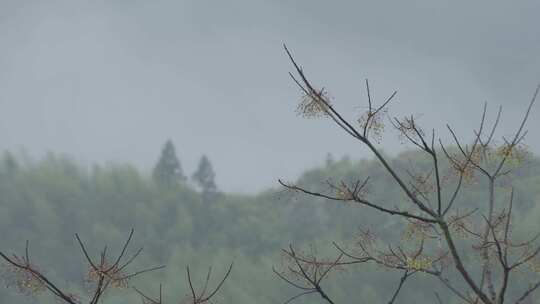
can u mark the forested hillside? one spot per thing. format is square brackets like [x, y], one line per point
[47, 201]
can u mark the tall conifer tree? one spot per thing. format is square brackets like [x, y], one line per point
[168, 171]
[205, 178]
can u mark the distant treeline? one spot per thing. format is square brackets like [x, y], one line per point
[183, 223]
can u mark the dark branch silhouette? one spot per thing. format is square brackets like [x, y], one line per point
[431, 216]
[101, 275]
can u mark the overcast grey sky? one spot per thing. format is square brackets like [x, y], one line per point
[112, 80]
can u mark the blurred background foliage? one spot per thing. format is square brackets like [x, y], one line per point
[47, 201]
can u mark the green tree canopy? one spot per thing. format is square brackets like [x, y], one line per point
[168, 170]
[205, 177]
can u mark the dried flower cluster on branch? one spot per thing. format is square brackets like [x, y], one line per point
[103, 274]
[434, 223]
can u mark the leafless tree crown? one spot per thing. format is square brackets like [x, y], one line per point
[103, 273]
[433, 221]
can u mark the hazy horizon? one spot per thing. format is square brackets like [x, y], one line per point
[112, 80]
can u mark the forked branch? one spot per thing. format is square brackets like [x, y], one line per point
[102, 275]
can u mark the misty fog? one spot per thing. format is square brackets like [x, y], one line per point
[180, 126]
[112, 80]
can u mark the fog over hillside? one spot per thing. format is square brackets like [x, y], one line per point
[112, 80]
